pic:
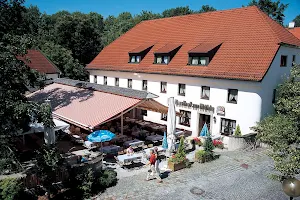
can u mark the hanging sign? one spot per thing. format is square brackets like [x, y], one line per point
[221, 110]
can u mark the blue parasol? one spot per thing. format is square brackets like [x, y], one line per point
[204, 132]
[101, 136]
[165, 142]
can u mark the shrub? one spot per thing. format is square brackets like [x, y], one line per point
[10, 188]
[180, 156]
[86, 180]
[108, 178]
[208, 144]
[197, 141]
[218, 144]
[238, 131]
[200, 155]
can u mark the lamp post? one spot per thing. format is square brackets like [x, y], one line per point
[291, 187]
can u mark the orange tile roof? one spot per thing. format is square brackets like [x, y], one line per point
[35, 59]
[141, 48]
[250, 40]
[295, 31]
[204, 47]
[167, 48]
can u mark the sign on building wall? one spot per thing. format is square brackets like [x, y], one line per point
[221, 110]
[191, 105]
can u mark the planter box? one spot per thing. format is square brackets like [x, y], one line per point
[175, 167]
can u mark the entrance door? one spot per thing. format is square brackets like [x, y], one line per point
[202, 120]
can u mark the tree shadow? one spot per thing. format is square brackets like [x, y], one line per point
[60, 97]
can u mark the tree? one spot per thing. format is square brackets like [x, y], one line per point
[206, 8]
[297, 21]
[274, 9]
[208, 144]
[177, 11]
[238, 131]
[281, 130]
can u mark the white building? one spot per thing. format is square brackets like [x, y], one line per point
[222, 67]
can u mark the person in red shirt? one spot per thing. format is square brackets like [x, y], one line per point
[152, 170]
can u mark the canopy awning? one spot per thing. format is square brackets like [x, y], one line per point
[39, 127]
[89, 108]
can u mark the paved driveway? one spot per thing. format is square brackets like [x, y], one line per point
[235, 175]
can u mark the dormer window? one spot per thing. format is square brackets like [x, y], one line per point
[203, 53]
[136, 55]
[165, 54]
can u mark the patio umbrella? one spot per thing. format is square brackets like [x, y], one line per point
[101, 136]
[204, 132]
[165, 142]
[171, 124]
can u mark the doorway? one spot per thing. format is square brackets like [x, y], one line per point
[202, 120]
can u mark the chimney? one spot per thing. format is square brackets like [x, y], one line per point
[291, 24]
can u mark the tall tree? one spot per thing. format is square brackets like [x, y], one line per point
[282, 130]
[274, 9]
[297, 21]
[177, 11]
[206, 8]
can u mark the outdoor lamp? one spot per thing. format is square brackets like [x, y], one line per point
[215, 119]
[291, 187]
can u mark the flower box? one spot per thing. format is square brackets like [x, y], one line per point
[176, 166]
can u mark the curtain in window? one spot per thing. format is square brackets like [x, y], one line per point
[232, 95]
[181, 89]
[129, 83]
[166, 59]
[138, 59]
[203, 61]
[164, 87]
[159, 59]
[195, 61]
[132, 59]
[205, 92]
[117, 82]
[232, 127]
[145, 85]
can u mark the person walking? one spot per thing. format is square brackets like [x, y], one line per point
[156, 166]
[152, 170]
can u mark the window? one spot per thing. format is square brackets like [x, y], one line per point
[116, 81]
[294, 60]
[135, 59]
[105, 80]
[199, 60]
[164, 116]
[95, 79]
[205, 92]
[163, 87]
[283, 61]
[227, 126]
[181, 89]
[144, 112]
[274, 96]
[185, 118]
[232, 96]
[144, 85]
[129, 83]
[162, 59]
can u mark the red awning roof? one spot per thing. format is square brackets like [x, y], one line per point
[167, 48]
[141, 48]
[88, 108]
[204, 47]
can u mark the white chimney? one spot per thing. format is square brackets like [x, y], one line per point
[291, 24]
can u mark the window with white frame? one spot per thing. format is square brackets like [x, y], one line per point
[227, 126]
[164, 116]
[199, 60]
[105, 80]
[205, 93]
[181, 89]
[163, 87]
[185, 118]
[162, 59]
[232, 96]
[129, 83]
[135, 59]
[144, 85]
[116, 81]
[95, 79]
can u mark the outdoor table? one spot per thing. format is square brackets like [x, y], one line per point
[140, 133]
[110, 149]
[134, 143]
[129, 158]
[159, 149]
[154, 138]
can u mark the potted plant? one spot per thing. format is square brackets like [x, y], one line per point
[200, 156]
[178, 161]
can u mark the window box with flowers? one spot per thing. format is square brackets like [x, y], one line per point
[178, 161]
[218, 144]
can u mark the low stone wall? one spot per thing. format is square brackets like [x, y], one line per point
[235, 143]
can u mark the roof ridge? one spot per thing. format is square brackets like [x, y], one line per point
[58, 70]
[263, 15]
[204, 13]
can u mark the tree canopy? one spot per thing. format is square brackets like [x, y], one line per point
[274, 9]
[297, 21]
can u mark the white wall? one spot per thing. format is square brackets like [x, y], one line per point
[275, 76]
[52, 76]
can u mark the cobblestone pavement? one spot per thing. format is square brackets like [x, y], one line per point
[235, 175]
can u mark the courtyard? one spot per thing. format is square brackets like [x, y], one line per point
[235, 175]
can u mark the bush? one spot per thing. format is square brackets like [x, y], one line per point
[218, 144]
[180, 156]
[10, 188]
[108, 178]
[200, 155]
[238, 131]
[86, 180]
[208, 144]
